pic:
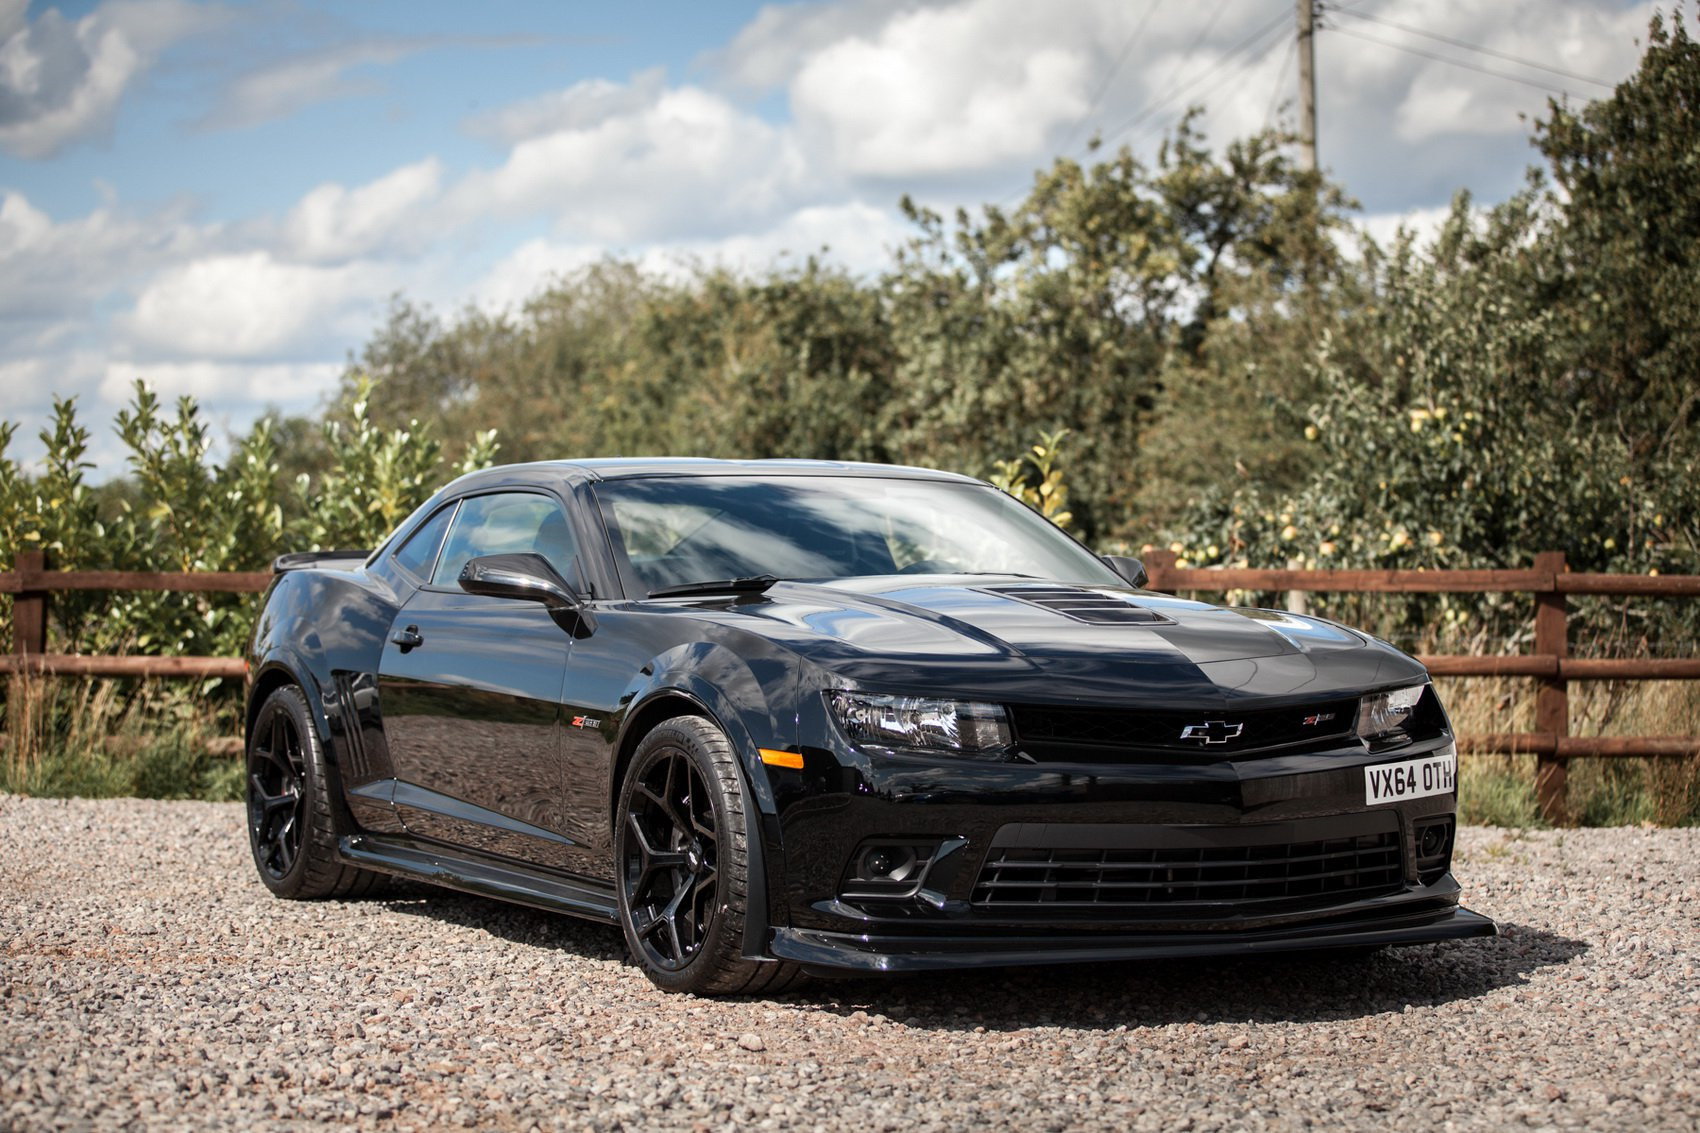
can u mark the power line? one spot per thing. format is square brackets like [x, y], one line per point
[1454, 62]
[1250, 43]
[1197, 41]
[1467, 46]
[1115, 69]
[1280, 82]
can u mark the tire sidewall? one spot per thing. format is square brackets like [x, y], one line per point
[290, 701]
[686, 735]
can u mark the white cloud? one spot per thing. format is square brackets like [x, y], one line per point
[854, 236]
[770, 50]
[54, 269]
[1396, 73]
[61, 82]
[292, 388]
[251, 305]
[582, 106]
[946, 90]
[682, 162]
[333, 223]
[1423, 224]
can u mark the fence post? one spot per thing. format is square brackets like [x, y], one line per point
[1552, 703]
[1159, 559]
[1298, 601]
[29, 635]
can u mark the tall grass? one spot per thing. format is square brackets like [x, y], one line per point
[105, 738]
[1499, 790]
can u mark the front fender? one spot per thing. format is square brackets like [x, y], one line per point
[753, 712]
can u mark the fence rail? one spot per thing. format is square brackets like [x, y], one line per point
[1550, 663]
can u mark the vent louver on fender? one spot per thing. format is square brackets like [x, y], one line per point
[1091, 606]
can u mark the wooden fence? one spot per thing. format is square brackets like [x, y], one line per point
[1550, 663]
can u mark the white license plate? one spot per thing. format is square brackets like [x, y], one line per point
[1411, 779]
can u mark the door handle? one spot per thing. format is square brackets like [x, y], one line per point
[407, 638]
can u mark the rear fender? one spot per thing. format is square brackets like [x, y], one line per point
[283, 667]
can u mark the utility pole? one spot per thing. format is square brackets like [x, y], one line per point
[1307, 84]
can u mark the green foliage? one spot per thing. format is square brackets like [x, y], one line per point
[1035, 479]
[1527, 384]
[182, 511]
[376, 476]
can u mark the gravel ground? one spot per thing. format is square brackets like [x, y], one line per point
[147, 980]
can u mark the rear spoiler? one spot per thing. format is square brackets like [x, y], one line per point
[337, 560]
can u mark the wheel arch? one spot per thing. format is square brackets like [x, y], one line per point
[669, 703]
[286, 672]
[276, 673]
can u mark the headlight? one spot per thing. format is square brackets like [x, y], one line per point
[1382, 712]
[960, 727]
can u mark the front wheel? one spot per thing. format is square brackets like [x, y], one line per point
[682, 843]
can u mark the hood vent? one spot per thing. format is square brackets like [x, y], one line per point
[1091, 606]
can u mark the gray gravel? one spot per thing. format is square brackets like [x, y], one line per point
[147, 980]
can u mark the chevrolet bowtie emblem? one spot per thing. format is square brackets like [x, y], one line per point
[1213, 732]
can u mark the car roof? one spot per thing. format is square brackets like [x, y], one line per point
[554, 472]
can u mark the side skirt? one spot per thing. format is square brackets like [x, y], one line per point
[485, 877]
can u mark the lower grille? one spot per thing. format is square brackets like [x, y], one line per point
[1123, 876]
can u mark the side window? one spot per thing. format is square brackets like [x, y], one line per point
[505, 524]
[420, 550]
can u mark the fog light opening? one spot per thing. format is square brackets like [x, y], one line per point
[1434, 850]
[887, 863]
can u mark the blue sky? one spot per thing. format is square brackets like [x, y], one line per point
[220, 198]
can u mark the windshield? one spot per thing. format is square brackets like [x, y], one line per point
[680, 530]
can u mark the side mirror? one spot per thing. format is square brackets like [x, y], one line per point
[1131, 569]
[528, 577]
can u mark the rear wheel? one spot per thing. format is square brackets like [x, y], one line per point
[682, 844]
[290, 829]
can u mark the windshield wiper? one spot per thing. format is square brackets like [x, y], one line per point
[753, 584]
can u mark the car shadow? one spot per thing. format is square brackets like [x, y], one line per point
[1297, 987]
[517, 923]
[1283, 987]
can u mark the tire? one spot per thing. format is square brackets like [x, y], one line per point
[290, 827]
[681, 846]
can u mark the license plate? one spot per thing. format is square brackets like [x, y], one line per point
[1411, 779]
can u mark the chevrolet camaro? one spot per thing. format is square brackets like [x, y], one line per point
[780, 717]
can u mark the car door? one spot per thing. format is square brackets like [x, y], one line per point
[470, 688]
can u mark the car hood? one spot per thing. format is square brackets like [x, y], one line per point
[1009, 638]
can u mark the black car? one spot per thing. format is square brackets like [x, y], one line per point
[782, 716]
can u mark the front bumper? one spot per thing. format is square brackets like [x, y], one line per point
[896, 952]
[1055, 863]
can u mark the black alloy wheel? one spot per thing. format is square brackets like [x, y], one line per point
[290, 828]
[672, 860]
[681, 841]
[277, 790]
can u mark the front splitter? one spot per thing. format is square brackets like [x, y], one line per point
[853, 952]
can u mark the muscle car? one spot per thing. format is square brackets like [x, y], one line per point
[780, 717]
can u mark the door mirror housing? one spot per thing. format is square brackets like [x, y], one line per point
[1129, 568]
[528, 577]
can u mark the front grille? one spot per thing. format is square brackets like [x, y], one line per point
[1048, 732]
[1094, 607]
[1324, 871]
